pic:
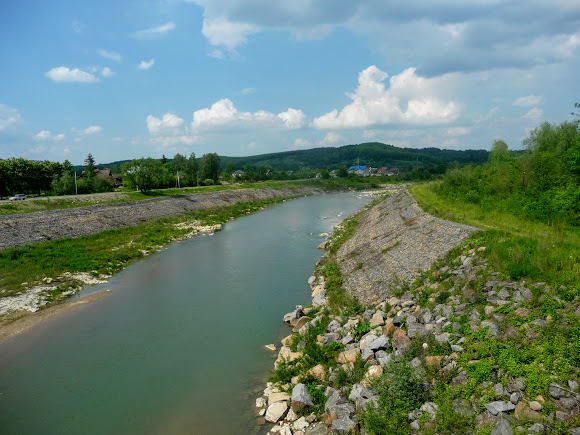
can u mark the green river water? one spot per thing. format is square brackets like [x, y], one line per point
[177, 347]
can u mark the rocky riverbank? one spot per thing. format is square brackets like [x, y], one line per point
[455, 349]
[37, 227]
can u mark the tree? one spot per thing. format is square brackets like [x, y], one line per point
[163, 159]
[230, 168]
[144, 174]
[209, 167]
[90, 166]
[192, 169]
[342, 172]
[499, 149]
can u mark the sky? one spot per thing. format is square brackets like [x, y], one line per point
[126, 79]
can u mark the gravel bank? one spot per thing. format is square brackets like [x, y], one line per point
[31, 228]
[393, 241]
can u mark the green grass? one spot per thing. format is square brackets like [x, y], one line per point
[106, 252]
[518, 247]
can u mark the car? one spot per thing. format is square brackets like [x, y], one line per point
[17, 197]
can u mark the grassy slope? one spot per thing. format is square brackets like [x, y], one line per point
[518, 247]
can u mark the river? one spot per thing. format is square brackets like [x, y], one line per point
[177, 346]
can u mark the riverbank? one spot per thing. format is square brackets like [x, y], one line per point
[49, 273]
[457, 348]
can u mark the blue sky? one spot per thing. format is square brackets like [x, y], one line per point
[126, 79]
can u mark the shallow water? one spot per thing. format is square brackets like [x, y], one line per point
[177, 345]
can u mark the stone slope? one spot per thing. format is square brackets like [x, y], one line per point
[31, 228]
[393, 241]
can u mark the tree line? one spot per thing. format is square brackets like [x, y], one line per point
[542, 183]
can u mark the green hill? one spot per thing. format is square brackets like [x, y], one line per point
[375, 154]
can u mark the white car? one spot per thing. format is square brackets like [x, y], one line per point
[17, 197]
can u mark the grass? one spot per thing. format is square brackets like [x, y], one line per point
[106, 252]
[518, 247]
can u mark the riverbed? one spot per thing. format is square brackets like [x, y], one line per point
[177, 346]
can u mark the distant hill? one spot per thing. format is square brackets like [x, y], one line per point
[375, 154]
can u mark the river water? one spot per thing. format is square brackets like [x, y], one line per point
[176, 347]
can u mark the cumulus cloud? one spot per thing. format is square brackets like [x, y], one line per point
[330, 139]
[172, 141]
[110, 55]
[457, 131]
[444, 36]
[63, 74]
[534, 114]
[8, 116]
[154, 32]
[221, 31]
[42, 135]
[530, 100]
[93, 129]
[146, 65]
[107, 72]
[168, 123]
[223, 113]
[375, 104]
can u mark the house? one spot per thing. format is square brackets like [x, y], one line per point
[381, 172]
[360, 170]
[319, 175]
[333, 174]
[117, 181]
[238, 174]
[393, 171]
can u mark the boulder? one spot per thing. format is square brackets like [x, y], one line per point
[434, 361]
[498, 406]
[380, 343]
[574, 431]
[301, 424]
[276, 412]
[400, 340]
[333, 326]
[301, 397]
[523, 413]
[502, 427]
[348, 356]
[367, 340]
[537, 428]
[556, 391]
[343, 426]
[301, 322]
[372, 373]
[568, 402]
[535, 405]
[278, 397]
[318, 371]
[377, 319]
[367, 354]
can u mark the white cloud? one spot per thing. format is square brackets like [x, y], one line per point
[116, 139]
[169, 122]
[223, 113]
[301, 144]
[46, 135]
[110, 55]
[247, 91]
[374, 104]
[171, 141]
[93, 129]
[107, 72]
[154, 32]
[146, 65]
[8, 116]
[331, 138]
[64, 74]
[223, 32]
[534, 114]
[42, 135]
[530, 100]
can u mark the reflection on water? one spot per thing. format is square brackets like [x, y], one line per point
[177, 345]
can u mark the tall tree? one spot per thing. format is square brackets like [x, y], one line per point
[192, 168]
[90, 166]
[209, 167]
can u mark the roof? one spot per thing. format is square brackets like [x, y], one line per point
[382, 170]
[356, 168]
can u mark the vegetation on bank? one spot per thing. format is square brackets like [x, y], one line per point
[33, 205]
[527, 207]
[107, 252]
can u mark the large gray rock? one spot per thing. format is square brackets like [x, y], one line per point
[333, 326]
[575, 431]
[381, 343]
[334, 399]
[556, 391]
[493, 331]
[343, 426]
[499, 406]
[316, 429]
[301, 397]
[359, 391]
[568, 402]
[319, 299]
[537, 428]
[502, 427]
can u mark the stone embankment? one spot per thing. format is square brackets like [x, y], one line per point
[394, 241]
[31, 228]
[434, 326]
